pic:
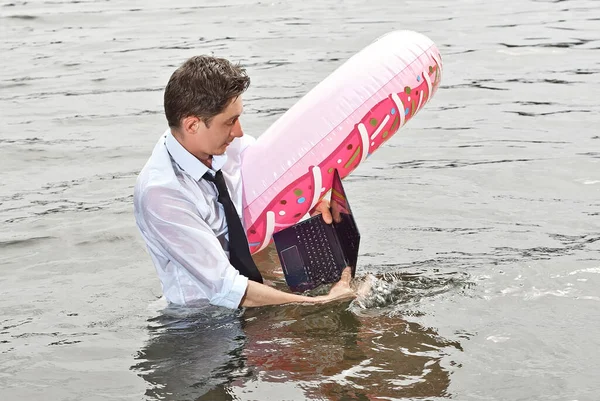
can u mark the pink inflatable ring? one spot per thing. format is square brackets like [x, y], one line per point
[338, 124]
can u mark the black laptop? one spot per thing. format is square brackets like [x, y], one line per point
[313, 252]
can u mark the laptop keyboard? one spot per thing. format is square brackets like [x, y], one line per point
[320, 257]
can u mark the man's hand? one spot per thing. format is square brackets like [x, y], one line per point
[341, 289]
[323, 209]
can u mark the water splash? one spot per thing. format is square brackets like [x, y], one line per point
[396, 290]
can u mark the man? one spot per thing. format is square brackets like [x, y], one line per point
[188, 196]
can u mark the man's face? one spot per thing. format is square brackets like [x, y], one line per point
[223, 128]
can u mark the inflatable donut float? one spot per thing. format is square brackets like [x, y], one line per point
[337, 125]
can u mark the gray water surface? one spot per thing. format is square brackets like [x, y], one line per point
[479, 219]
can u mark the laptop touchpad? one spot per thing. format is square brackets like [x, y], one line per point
[292, 261]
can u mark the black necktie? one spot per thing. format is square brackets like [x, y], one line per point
[239, 252]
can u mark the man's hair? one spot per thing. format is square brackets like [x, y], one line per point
[203, 86]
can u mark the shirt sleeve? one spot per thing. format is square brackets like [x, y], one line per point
[189, 242]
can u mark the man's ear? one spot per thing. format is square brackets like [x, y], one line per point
[189, 125]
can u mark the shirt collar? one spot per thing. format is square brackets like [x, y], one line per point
[188, 162]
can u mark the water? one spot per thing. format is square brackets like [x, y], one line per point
[480, 219]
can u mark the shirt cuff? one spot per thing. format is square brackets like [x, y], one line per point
[233, 290]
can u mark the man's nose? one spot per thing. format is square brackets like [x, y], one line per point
[237, 130]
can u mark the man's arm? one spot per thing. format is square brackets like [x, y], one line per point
[190, 242]
[260, 295]
[174, 225]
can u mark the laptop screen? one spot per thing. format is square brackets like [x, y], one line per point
[339, 202]
[344, 223]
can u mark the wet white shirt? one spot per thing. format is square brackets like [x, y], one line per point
[184, 225]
